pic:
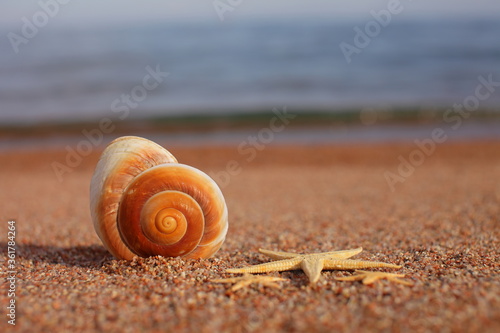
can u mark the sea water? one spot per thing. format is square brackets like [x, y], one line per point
[74, 73]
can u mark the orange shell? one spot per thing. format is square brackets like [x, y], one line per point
[144, 203]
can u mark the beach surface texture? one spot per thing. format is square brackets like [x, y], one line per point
[437, 215]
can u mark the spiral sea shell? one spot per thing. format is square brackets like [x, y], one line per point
[145, 203]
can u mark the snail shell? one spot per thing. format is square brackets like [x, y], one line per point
[145, 203]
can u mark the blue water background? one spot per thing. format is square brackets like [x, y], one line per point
[71, 74]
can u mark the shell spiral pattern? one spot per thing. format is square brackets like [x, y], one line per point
[145, 203]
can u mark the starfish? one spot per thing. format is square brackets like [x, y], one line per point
[370, 277]
[312, 264]
[248, 279]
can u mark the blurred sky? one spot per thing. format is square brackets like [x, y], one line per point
[117, 11]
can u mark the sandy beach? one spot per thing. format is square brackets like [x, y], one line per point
[441, 223]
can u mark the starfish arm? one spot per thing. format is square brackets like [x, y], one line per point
[382, 275]
[350, 278]
[275, 266]
[385, 274]
[344, 254]
[248, 279]
[406, 283]
[271, 278]
[312, 268]
[270, 284]
[278, 255]
[241, 284]
[370, 279]
[355, 264]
